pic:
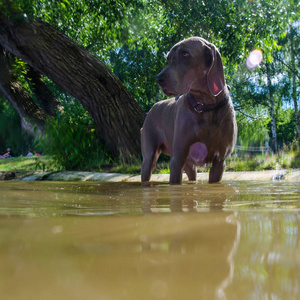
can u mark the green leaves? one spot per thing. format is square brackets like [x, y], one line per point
[72, 143]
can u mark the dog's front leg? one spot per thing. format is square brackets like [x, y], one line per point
[175, 171]
[177, 162]
[216, 171]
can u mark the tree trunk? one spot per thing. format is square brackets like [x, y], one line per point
[272, 110]
[32, 117]
[294, 86]
[117, 116]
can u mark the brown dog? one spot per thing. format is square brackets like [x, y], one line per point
[196, 127]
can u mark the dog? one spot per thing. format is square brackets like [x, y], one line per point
[198, 125]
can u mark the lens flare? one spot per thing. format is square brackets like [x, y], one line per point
[254, 59]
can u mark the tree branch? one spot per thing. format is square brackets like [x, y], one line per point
[44, 96]
[32, 117]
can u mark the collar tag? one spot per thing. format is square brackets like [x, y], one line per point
[199, 107]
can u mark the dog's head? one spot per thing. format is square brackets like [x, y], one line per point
[194, 65]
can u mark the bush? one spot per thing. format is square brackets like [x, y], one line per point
[73, 143]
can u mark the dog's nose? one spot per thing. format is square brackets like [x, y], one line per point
[161, 79]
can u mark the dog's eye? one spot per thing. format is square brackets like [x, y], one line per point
[185, 54]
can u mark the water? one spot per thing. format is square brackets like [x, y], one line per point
[236, 240]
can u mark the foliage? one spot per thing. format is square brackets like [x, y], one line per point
[286, 126]
[252, 128]
[73, 142]
[283, 160]
[133, 36]
[138, 76]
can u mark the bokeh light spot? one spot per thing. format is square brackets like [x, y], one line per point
[254, 59]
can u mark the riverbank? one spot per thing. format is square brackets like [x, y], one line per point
[268, 175]
[44, 168]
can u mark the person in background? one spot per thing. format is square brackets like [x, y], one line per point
[8, 154]
[29, 154]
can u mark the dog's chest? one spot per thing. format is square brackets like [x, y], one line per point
[208, 140]
[204, 128]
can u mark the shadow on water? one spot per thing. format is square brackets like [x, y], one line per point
[234, 240]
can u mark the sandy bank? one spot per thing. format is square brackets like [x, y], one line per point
[283, 175]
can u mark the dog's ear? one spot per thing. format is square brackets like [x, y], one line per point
[215, 75]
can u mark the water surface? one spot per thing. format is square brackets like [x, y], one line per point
[235, 240]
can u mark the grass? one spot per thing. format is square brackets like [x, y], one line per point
[29, 165]
[283, 160]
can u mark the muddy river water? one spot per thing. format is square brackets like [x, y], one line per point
[111, 241]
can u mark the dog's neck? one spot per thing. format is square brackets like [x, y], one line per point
[197, 103]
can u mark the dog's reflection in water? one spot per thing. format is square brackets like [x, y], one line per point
[185, 198]
[196, 227]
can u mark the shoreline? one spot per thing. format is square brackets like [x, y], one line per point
[267, 175]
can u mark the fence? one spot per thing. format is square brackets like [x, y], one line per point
[252, 150]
